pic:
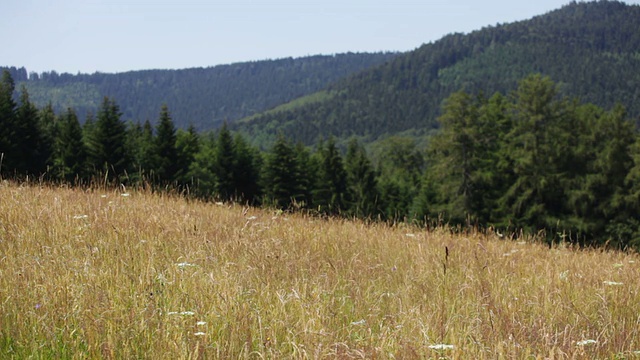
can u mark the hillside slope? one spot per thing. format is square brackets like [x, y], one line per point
[591, 49]
[204, 97]
[96, 274]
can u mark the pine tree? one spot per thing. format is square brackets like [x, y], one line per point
[8, 144]
[165, 144]
[536, 199]
[31, 153]
[332, 195]
[362, 182]
[108, 150]
[282, 185]
[70, 153]
[187, 146]
[224, 165]
[246, 171]
[202, 169]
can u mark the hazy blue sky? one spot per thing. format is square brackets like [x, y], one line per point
[121, 35]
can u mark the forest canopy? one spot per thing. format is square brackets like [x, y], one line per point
[531, 160]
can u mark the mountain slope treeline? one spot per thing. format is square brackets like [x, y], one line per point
[204, 97]
[590, 49]
[531, 160]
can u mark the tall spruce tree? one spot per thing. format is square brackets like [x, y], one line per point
[165, 144]
[187, 146]
[108, 143]
[362, 181]
[70, 155]
[31, 153]
[224, 165]
[331, 195]
[246, 171]
[282, 181]
[8, 143]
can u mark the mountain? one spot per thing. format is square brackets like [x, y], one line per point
[204, 97]
[591, 49]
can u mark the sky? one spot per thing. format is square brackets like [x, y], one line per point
[122, 35]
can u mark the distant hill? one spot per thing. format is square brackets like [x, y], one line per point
[204, 97]
[591, 49]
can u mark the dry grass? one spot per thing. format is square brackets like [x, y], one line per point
[91, 274]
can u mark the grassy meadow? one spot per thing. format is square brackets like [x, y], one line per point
[90, 274]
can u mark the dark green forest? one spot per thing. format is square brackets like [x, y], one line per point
[202, 97]
[531, 161]
[592, 50]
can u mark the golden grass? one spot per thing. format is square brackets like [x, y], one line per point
[91, 274]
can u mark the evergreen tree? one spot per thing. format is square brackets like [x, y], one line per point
[224, 165]
[307, 175]
[49, 127]
[202, 169]
[167, 167]
[8, 145]
[31, 153]
[70, 152]
[187, 146]
[108, 143]
[331, 195]
[282, 184]
[535, 201]
[246, 171]
[362, 182]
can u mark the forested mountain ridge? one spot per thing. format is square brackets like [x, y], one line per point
[204, 97]
[590, 49]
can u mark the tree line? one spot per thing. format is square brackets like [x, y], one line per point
[530, 160]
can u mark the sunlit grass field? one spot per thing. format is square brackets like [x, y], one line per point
[120, 274]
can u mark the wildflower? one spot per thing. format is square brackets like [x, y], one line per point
[38, 306]
[252, 217]
[564, 275]
[410, 235]
[586, 342]
[199, 333]
[201, 323]
[359, 322]
[125, 194]
[441, 347]
[183, 313]
[77, 217]
[613, 283]
[183, 265]
[103, 196]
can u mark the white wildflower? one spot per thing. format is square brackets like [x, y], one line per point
[564, 275]
[199, 333]
[410, 235]
[183, 313]
[613, 283]
[80, 217]
[103, 196]
[125, 194]
[359, 322]
[586, 342]
[441, 347]
[183, 265]
[201, 323]
[252, 217]
[511, 252]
